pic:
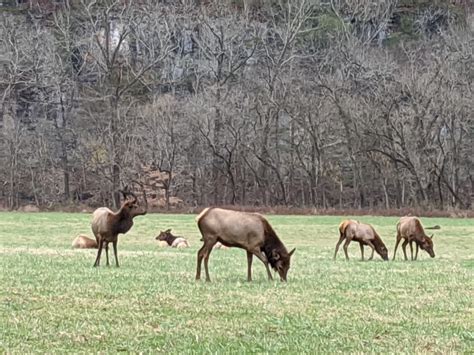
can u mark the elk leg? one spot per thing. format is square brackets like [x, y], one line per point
[404, 247]
[264, 260]
[249, 266]
[369, 243]
[199, 262]
[416, 252]
[99, 251]
[206, 261]
[346, 244]
[337, 245]
[411, 250]
[107, 253]
[114, 244]
[396, 245]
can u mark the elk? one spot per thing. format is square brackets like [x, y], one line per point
[411, 229]
[83, 242]
[343, 225]
[249, 231]
[365, 234]
[171, 240]
[219, 245]
[342, 228]
[107, 225]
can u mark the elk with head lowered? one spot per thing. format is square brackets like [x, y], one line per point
[249, 231]
[365, 234]
[410, 229]
[107, 225]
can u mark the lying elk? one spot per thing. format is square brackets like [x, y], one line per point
[249, 231]
[410, 229]
[107, 225]
[365, 234]
[83, 242]
[171, 240]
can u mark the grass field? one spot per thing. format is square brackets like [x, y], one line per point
[52, 300]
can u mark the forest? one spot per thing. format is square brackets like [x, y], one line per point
[341, 104]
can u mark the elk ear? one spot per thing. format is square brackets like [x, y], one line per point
[168, 230]
[291, 252]
[124, 194]
[275, 255]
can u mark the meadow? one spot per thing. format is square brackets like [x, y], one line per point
[53, 300]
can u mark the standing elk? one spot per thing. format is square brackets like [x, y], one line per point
[249, 231]
[411, 229]
[365, 234]
[107, 225]
[171, 240]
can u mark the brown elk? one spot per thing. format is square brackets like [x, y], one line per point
[107, 225]
[249, 231]
[411, 229]
[219, 245]
[83, 242]
[365, 234]
[171, 240]
[343, 225]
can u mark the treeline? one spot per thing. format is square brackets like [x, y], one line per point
[325, 104]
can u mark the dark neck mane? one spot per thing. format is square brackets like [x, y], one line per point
[273, 243]
[123, 220]
[122, 213]
[377, 243]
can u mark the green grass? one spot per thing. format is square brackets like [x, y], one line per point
[52, 300]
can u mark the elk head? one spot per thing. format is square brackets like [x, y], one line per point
[382, 250]
[130, 205]
[164, 235]
[426, 244]
[282, 262]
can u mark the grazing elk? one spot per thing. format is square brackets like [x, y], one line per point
[83, 242]
[171, 240]
[107, 225]
[342, 228]
[365, 234]
[343, 225]
[249, 231]
[410, 229]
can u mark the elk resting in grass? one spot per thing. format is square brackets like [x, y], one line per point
[411, 229]
[365, 234]
[219, 245]
[171, 240]
[249, 231]
[107, 225]
[84, 242]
